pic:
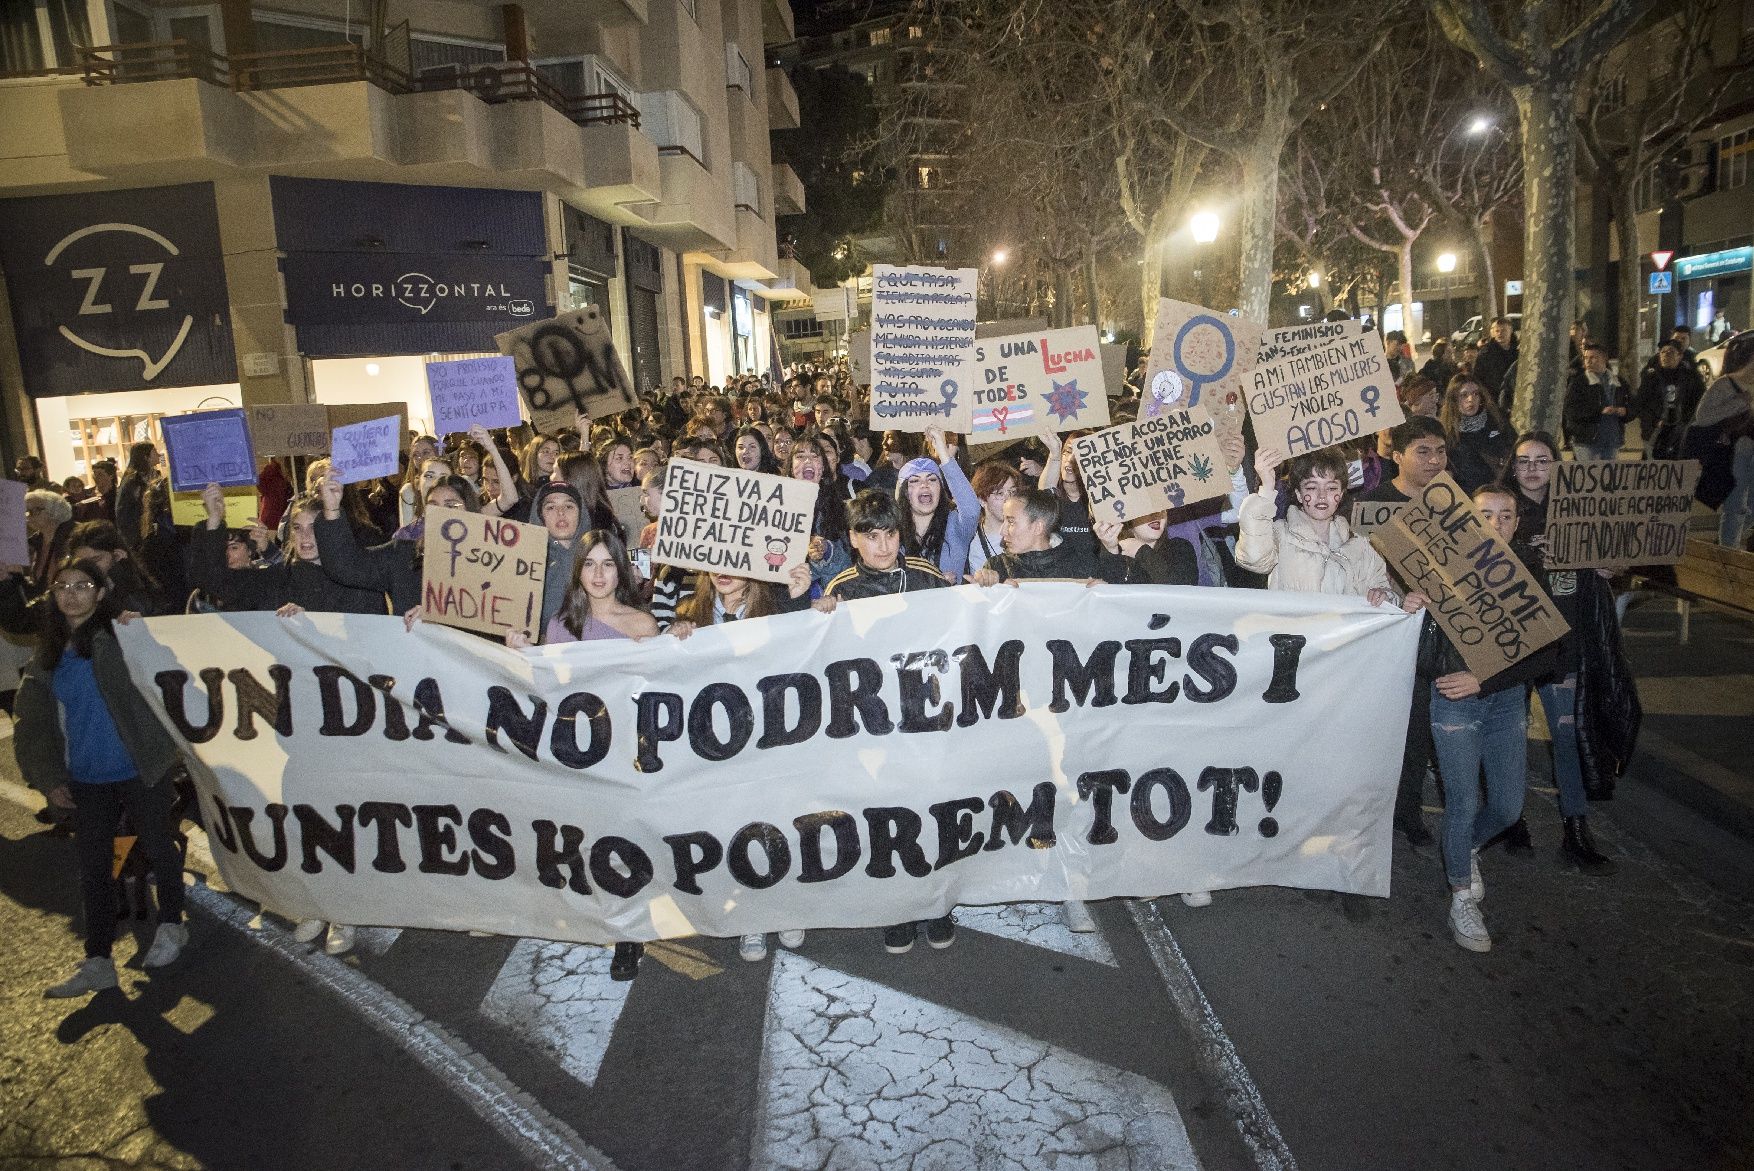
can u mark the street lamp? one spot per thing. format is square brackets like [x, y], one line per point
[999, 256]
[1446, 262]
[1480, 125]
[1315, 280]
[1204, 226]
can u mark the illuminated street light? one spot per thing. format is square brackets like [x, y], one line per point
[1480, 125]
[1446, 262]
[1315, 280]
[999, 256]
[1204, 226]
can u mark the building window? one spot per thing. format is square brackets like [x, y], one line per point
[915, 32]
[879, 36]
[1732, 160]
[928, 178]
[801, 327]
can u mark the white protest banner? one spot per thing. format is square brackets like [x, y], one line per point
[1371, 515]
[14, 536]
[1488, 603]
[922, 325]
[365, 451]
[482, 572]
[878, 765]
[470, 391]
[1614, 515]
[727, 520]
[208, 447]
[1200, 357]
[1329, 384]
[1037, 383]
[568, 368]
[289, 429]
[1151, 465]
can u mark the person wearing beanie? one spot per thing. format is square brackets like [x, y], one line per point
[939, 527]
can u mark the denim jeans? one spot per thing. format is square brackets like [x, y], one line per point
[1489, 730]
[1559, 702]
[97, 815]
[1593, 451]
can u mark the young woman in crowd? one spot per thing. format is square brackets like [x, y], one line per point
[87, 740]
[290, 585]
[1062, 476]
[994, 482]
[466, 456]
[615, 454]
[1187, 545]
[581, 470]
[1313, 549]
[1479, 437]
[940, 525]
[1478, 725]
[753, 453]
[780, 442]
[131, 587]
[414, 485]
[828, 529]
[1591, 700]
[536, 463]
[134, 506]
[497, 487]
[393, 568]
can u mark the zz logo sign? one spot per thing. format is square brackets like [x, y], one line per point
[90, 305]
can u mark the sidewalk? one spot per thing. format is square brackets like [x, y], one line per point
[1698, 702]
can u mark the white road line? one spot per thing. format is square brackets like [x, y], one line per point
[558, 998]
[541, 1138]
[855, 1074]
[1217, 1055]
[1039, 925]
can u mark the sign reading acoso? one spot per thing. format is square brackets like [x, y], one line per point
[118, 290]
[325, 287]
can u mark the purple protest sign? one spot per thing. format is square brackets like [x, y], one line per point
[209, 447]
[473, 390]
[366, 451]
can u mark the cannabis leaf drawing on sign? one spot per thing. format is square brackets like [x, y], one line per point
[1202, 468]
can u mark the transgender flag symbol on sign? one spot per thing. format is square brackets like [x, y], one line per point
[1001, 420]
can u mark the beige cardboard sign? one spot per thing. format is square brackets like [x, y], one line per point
[290, 429]
[1037, 383]
[727, 520]
[627, 505]
[1371, 515]
[1612, 515]
[568, 368]
[483, 572]
[1488, 603]
[1201, 357]
[1151, 465]
[1329, 384]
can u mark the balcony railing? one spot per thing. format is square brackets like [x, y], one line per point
[509, 81]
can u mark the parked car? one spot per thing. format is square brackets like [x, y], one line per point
[1711, 362]
[1474, 329]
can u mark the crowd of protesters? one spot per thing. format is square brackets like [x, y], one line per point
[896, 512]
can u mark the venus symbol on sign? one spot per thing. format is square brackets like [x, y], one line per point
[1371, 395]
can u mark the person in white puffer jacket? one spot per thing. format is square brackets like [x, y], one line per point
[1313, 550]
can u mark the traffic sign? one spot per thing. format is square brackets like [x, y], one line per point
[1513, 288]
[1661, 258]
[1662, 282]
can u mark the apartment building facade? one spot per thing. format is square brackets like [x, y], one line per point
[235, 204]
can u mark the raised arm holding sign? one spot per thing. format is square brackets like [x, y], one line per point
[482, 572]
[473, 391]
[210, 447]
[1319, 386]
[1152, 465]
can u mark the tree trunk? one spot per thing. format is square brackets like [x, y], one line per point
[1482, 233]
[1631, 275]
[1150, 291]
[1549, 179]
[1259, 198]
[1092, 290]
[1404, 273]
[1062, 316]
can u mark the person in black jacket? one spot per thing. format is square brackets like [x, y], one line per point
[295, 583]
[1496, 357]
[874, 523]
[393, 568]
[1596, 407]
[1478, 725]
[1035, 549]
[1667, 396]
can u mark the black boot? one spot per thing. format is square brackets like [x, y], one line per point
[1579, 849]
[1516, 837]
[625, 965]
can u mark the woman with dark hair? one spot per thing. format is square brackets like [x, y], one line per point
[133, 492]
[615, 457]
[393, 568]
[423, 448]
[994, 482]
[1479, 436]
[753, 453]
[940, 525]
[293, 584]
[87, 740]
[828, 528]
[781, 441]
[602, 599]
[1062, 476]
[581, 470]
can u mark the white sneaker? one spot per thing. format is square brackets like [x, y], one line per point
[308, 930]
[339, 940]
[1078, 916]
[1476, 884]
[1466, 924]
[94, 974]
[167, 944]
[1198, 898]
[792, 939]
[753, 948]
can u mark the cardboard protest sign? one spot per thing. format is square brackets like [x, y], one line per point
[471, 391]
[241, 508]
[1329, 384]
[727, 520]
[859, 356]
[1371, 515]
[1612, 515]
[14, 537]
[289, 429]
[1114, 368]
[365, 451]
[1151, 465]
[1199, 357]
[209, 447]
[922, 325]
[1488, 603]
[628, 507]
[343, 414]
[1037, 383]
[483, 572]
[568, 369]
